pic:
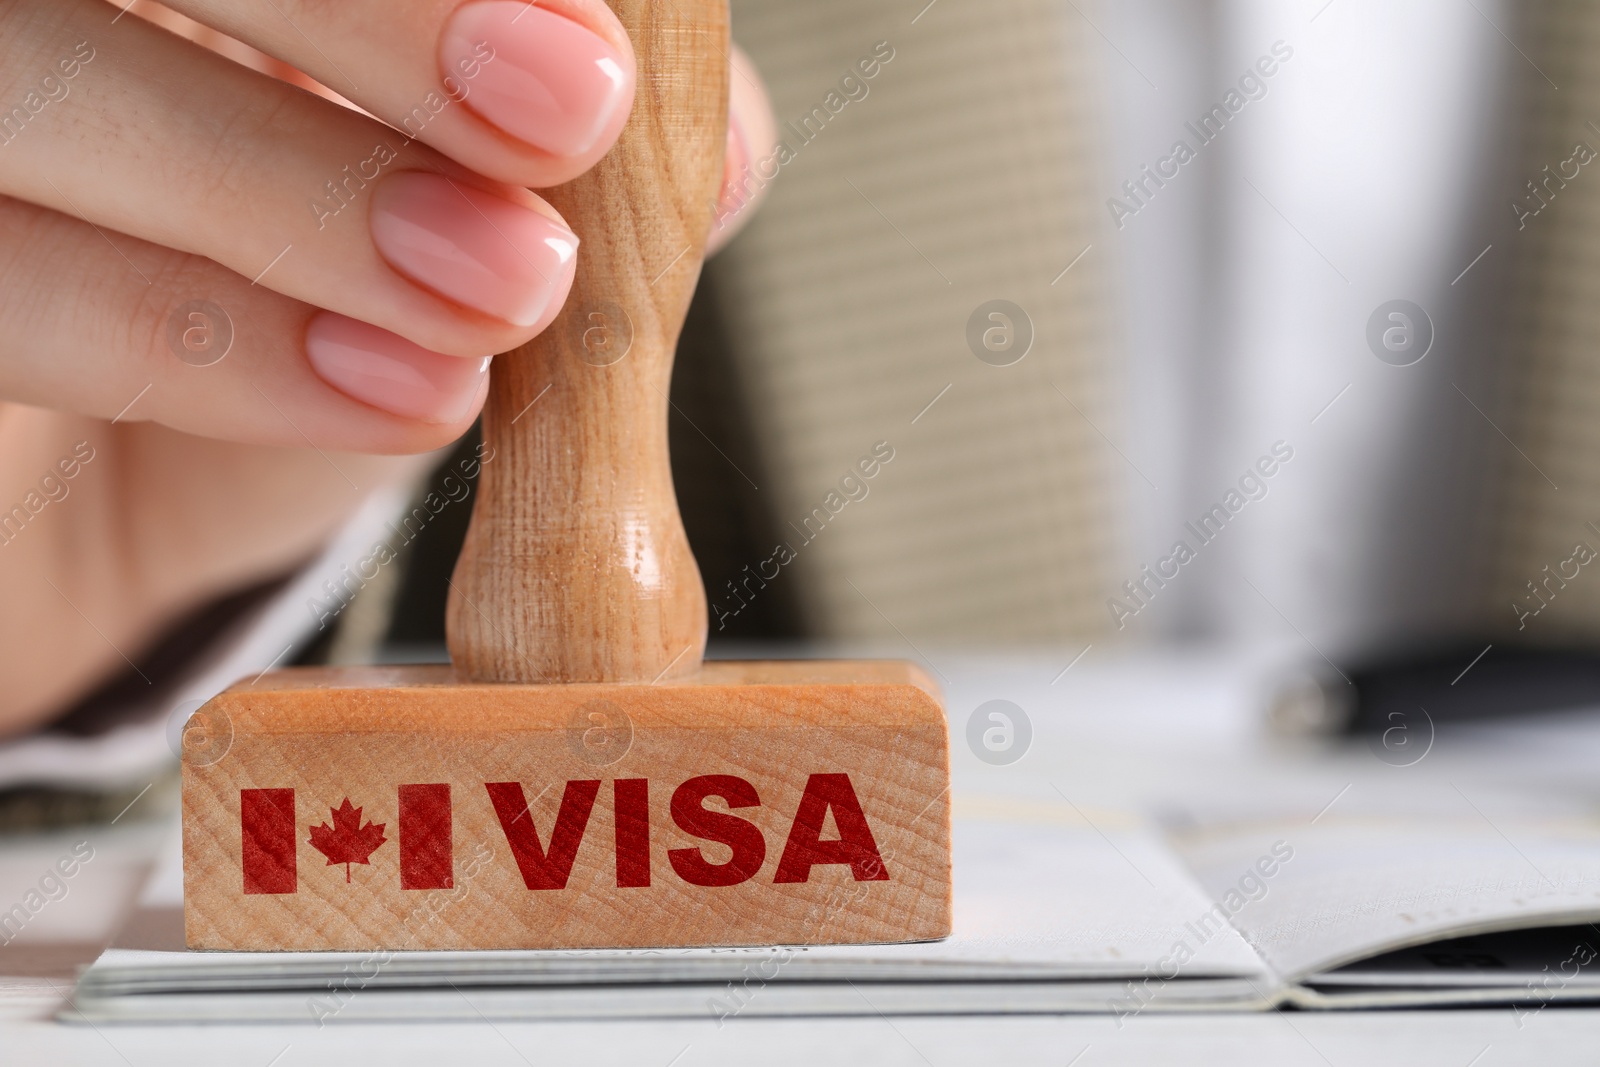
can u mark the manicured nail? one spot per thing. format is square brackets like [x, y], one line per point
[474, 247]
[540, 77]
[379, 368]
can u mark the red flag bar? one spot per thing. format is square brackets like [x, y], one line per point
[425, 837]
[266, 822]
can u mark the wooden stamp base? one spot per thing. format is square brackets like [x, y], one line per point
[401, 808]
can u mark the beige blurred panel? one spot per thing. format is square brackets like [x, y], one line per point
[964, 175]
[1552, 501]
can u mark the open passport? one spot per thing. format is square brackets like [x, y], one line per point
[1057, 909]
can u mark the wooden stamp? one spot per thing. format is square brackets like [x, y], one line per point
[578, 778]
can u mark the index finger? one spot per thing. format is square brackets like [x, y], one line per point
[532, 94]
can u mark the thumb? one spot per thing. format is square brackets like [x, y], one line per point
[750, 163]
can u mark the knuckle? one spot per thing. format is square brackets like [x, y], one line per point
[145, 310]
[232, 169]
[145, 314]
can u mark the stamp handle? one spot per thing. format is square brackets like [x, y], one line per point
[576, 567]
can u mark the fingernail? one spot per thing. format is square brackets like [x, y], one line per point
[382, 369]
[471, 246]
[541, 77]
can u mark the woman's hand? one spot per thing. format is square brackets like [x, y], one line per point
[160, 194]
[189, 246]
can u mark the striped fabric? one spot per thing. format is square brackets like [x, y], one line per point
[1545, 589]
[960, 172]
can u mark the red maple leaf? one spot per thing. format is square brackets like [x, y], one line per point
[347, 841]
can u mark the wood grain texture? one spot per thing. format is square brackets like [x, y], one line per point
[280, 757]
[576, 566]
[537, 793]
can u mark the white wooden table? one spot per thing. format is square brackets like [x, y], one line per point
[1117, 729]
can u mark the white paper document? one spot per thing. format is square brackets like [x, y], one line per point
[1056, 910]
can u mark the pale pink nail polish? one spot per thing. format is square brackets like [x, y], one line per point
[541, 77]
[379, 368]
[471, 246]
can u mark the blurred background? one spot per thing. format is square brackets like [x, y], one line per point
[1074, 328]
[1090, 270]
[1196, 328]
